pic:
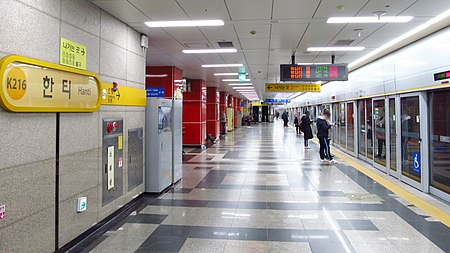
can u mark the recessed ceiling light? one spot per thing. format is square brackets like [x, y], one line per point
[185, 23]
[312, 63]
[237, 88]
[240, 84]
[210, 51]
[234, 80]
[320, 49]
[222, 65]
[381, 19]
[157, 76]
[226, 74]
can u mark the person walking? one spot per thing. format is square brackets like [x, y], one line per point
[285, 119]
[323, 127]
[305, 127]
[297, 123]
[223, 120]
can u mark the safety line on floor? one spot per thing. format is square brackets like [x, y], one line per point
[420, 203]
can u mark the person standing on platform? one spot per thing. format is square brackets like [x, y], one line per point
[323, 127]
[297, 123]
[305, 127]
[285, 119]
[223, 120]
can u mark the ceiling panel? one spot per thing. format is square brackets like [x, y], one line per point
[328, 8]
[319, 35]
[220, 33]
[425, 9]
[255, 43]
[256, 57]
[205, 9]
[244, 29]
[156, 34]
[234, 58]
[286, 35]
[122, 10]
[375, 41]
[160, 10]
[167, 46]
[394, 28]
[286, 9]
[185, 33]
[249, 9]
[392, 8]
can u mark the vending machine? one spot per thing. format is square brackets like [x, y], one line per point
[177, 140]
[159, 145]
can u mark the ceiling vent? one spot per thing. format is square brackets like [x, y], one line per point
[225, 44]
[197, 45]
[343, 42]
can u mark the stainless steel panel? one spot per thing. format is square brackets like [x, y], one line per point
[135, 157]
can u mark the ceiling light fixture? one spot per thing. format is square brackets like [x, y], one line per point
[334, 49]
[235, 80]
[210, 51]
[375, 19]
[157, 76]
[226, 74]
[240, 84]
[222, 65]
[185, 23]
[244, 88]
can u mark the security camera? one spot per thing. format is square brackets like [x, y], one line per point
[252, 32]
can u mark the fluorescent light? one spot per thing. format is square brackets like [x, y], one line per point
[313, 63]
[210, 51]
[222, 65]
[235, 80]
[244, 88]
[157, 76]
[402, 37]
[320, 49]
[374, 19]
[185, 23]
[240, 84]
[226, 74]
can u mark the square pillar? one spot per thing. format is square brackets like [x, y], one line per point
[194, 114]
[164, 77]
[212, 111]
[223, 109]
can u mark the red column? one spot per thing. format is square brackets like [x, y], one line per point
[212, 111]
[223, 107]
[194, 114]
[163, 77]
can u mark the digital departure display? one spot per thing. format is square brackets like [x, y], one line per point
[442, 76]
[316, 72]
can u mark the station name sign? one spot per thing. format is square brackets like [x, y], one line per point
[29, 85]
[313, 73]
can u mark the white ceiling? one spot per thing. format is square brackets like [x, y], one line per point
[283, 27]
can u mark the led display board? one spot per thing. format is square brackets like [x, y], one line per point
[442, 75]
[313, 73]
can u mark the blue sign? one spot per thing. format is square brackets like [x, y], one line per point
[155, 92]
[278, 100]
[416, 162]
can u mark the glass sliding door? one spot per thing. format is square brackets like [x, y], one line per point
[362, 132]
[440, 140]
[410, 138]
[341, 126]
[392, 135]
[335, 119]
[369, 128]
[379, 128]
[350, 127]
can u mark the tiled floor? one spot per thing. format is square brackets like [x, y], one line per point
[261, 191]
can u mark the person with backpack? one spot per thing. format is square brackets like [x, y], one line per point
[323, 127]
[305, 127]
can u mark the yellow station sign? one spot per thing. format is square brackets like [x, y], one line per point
[292, 87]
[29, 85]
[124, 96]
[72, 54]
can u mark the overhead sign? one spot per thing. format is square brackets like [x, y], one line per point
[29, 85]
[313, 73]
[292, 87]
[258, 103]
[155, 92]
[72, 54]
[124, 96]
[278, 100]
[442, 76]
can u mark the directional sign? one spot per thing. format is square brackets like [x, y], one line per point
[124, 96]
[292, 87]
[155, 92]
[278, 100]
[2, 212]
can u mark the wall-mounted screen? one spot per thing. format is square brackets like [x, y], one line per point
[313, 73]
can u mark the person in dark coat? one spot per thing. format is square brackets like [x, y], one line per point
[323, 127]
[305, 127]
[297, 123]
[285, 118]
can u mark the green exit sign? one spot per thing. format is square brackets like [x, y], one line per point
[242, 77]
